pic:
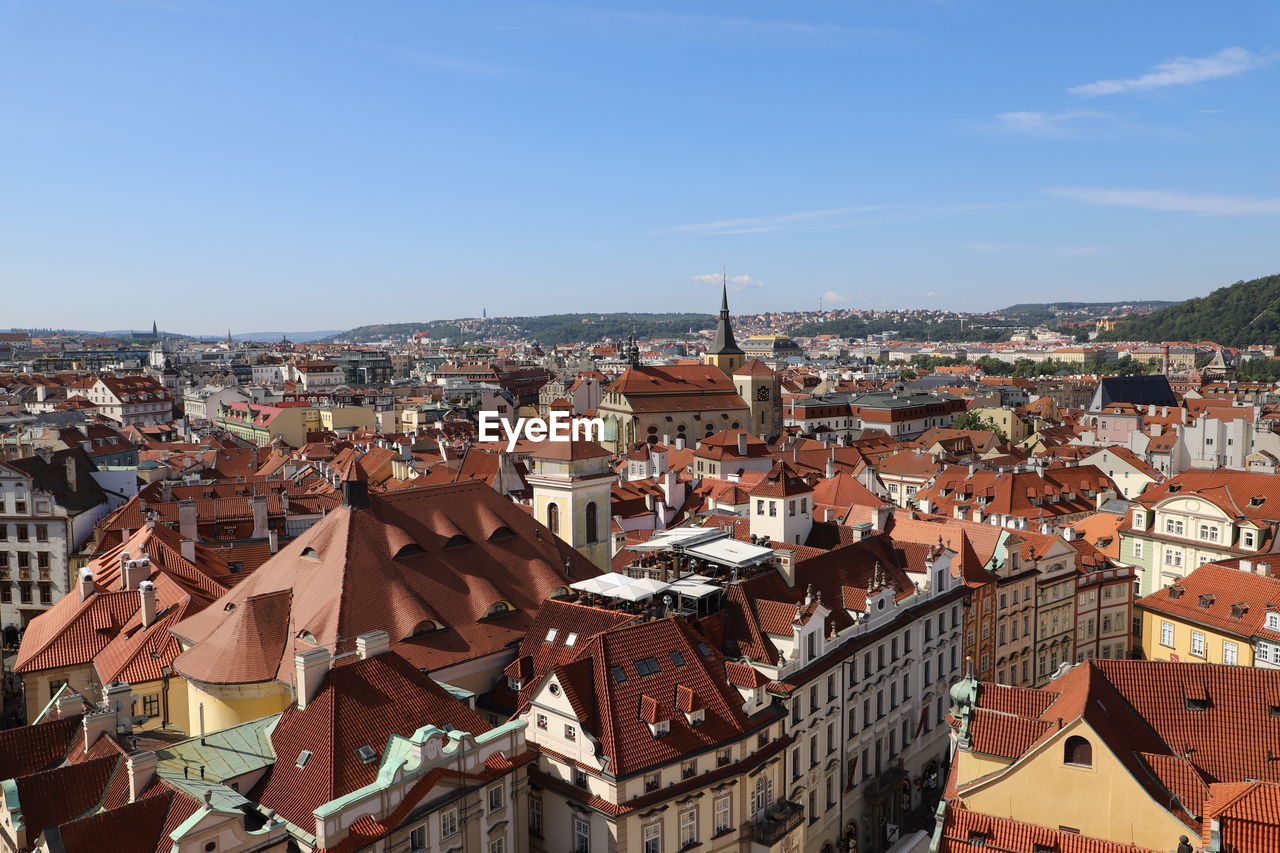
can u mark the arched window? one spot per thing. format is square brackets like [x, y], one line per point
[553, 518]
[593, 534]
[1078, 751]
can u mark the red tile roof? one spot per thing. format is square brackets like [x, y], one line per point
[428, 565]
[360, 704]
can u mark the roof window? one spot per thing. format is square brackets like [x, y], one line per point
[648, 666]
[303, 758]
[366, 754]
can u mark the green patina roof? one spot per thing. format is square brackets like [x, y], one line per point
[223, 754]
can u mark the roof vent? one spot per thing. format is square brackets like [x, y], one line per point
[366, 754]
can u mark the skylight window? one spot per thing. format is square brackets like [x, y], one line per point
[619, 674]
[551, 635]
[648, 666]
[303, 758]
[571, 639]
[366, 754]
[677, 658]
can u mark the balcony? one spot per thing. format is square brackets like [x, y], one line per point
[780, 819]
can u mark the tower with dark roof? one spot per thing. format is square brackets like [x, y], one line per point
[725, 352]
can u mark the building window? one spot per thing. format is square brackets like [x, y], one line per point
[542, 721]
[449, 823]
[498, 845]
[418, 838]
[1078, 751]
[1229, 652]
[593, 531]
[1246, 539]
[151, 705]
[535, 816]
[42, 533]
[688, 769]
[570, 732]
[1173, 558]
[773, 509]
[495, 798]
[1209, 532]
[652, 838]
[1137, 548]
[582, 836]
[1197, 644]
[688, 828]
[46, 592]
[723, 811]
[1173, 526]
[553, 518]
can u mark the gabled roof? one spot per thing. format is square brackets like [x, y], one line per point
[781, 481]
[610, 710]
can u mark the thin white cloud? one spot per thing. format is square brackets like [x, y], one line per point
[833, 298]
[1172, 202]
[1182, 71]
[758, 224]
[705, 23]
[1038, 123]
[735, 282]
[930, 294]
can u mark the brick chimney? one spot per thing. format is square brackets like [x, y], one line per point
[87, 587]
[187, 519]
[372, 643]
[310, 668]
[147, 594]
[133, 572]
[73, 473]
[142, 768]
[258, 503]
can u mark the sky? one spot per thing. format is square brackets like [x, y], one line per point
[301, 164]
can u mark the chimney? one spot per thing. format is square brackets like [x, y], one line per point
[679, 442]
[310, 667]
[187, 519]
[70, 704]
[830, 471]
[147, 594]
[372, 643]
[258, 503]
[117, 698]
[284, 501]
[73, 472]
[273, 541]
[142, 768]
[86, 583]
[742, 444]
[133, 572]
[188, 547]
[1246, 566]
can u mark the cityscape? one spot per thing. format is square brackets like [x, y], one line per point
[732, 428]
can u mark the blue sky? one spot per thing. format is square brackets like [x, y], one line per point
[306, 164]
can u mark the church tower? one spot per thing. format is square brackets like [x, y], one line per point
[761, 389]
[725, 352]
[572, 485]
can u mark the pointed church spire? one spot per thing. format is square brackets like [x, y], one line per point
[724, 344]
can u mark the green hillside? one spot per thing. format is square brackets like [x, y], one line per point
[1244, 313]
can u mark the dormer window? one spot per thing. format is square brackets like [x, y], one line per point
[1175, 591]
[1273, 621]
[1239, 609]
[498, 608]
[1206, 600]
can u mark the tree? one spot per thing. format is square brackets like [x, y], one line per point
[975, 421]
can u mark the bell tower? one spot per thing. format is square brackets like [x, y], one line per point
[725, 352]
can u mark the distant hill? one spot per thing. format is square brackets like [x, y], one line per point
[551, 329]
[1037, 313]
[296, 337]
[1244, 313]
